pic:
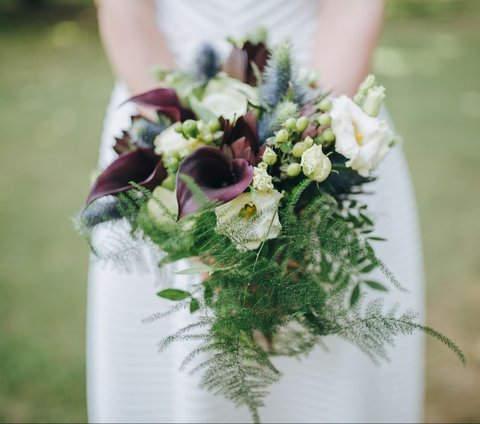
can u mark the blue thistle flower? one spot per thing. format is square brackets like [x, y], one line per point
[206, 62]
[280, 78]
[143, 131]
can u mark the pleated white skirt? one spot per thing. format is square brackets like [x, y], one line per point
[129, 381]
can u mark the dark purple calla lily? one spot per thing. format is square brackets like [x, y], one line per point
[240, 140]
[142, 166]
[239, 63]
[220, 178]
[165, 101]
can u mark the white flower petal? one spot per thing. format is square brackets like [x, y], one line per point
[315, 164]
[250, 219]
[170, 143]
[362, 139]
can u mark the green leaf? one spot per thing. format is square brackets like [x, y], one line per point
[208, 295]
[375, 238]
[197, 269]
[355, 295]
[194, 305]
[375, 285]
[366, 219]
[173, 294]
[369, 267]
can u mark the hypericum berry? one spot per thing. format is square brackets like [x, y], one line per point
[169, 182]
[269, 156]
[171, 162]
[325, 119]
[325, 105]
[290, 124]
[301, 124]
[294, 169]
[208, 138]
[299, 148]
[328, 135]
[214, 125]
[308, 141]
[190, 128]
[281, 136]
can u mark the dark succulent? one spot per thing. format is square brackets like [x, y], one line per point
[240, 139]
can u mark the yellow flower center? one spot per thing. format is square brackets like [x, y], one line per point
[359, 137]
[248, 211]
[358, 134]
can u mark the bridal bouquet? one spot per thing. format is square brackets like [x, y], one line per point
[253, 172]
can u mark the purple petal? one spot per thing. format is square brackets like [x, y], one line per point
[258, 54]
[236, 65]
[141, 166]
[220, 178]
[165, 101]
[239, 63]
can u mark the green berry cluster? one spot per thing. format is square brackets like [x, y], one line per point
[208, 133]
[324, 120]
[292, 141]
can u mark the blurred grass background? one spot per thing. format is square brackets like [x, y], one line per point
[54, 86]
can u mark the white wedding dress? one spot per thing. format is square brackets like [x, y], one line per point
[129, 381]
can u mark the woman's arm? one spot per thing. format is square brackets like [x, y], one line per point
[345, 41]
[132, 40]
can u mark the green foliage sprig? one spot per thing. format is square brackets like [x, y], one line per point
[300, 287]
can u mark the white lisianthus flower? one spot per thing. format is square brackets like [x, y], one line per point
[262, 181]
[162, 207]
[250, 219]
[362, 139]
[315, 164]
[171, 143]
[228, 97]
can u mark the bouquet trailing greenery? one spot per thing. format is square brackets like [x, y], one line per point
[254, 171]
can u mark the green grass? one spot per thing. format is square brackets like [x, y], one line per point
[54, 86]
[436, 103]
[431, 70]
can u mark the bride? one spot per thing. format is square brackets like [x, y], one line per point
[128, 381]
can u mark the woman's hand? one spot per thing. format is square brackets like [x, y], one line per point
[347, 33]
[133, 41]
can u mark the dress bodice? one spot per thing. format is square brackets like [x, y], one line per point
[186, 23]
